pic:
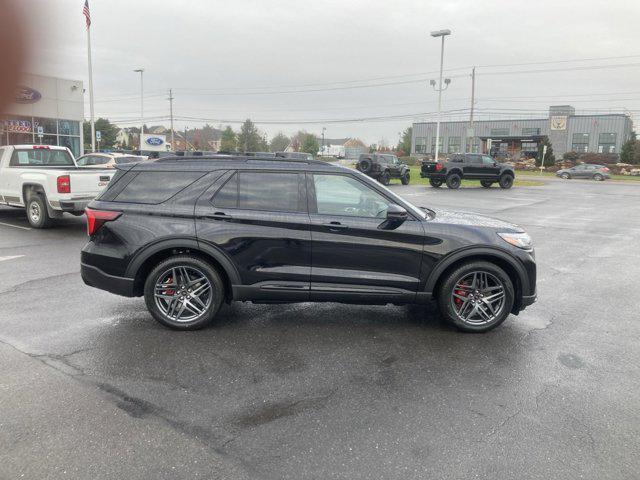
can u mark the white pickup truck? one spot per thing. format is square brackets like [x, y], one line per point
[46, 181]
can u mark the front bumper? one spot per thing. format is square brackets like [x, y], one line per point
[94, 277]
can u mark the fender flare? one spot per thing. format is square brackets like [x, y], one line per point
[456, 171]
[469, 252]
[190, 243]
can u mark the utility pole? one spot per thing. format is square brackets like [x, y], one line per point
[441, 88]
[141, 72]
[473, 101]
[173, 147]
[322, 149]
[186, 143]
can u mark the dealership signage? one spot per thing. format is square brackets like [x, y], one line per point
[559, 122]
[25, 94]
[155, 143]
[17, 126]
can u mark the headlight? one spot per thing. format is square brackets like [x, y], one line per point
[520, 240]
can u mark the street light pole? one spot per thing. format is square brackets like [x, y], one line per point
[141, 72]
[440, 89]
[322, 149]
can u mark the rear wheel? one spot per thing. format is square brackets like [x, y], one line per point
[506, 181]
[566, 176]
[454, 181]
[486, 183]
[405, 178]
[385, 178]
[37, 213]
[598, 177]
[476, 297]
[184, 292]
[435, 182]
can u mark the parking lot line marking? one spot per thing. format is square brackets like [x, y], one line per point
[14, 226]
[10, 257]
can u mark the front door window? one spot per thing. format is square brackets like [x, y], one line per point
[344, 195]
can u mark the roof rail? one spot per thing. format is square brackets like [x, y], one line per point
[237, 158]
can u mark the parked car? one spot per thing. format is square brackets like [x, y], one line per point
[295, 155]
[468, 166]
[383, 167]
[46, 181]
[262, 154]
[585, 170]
[107, 160]
[190, 234]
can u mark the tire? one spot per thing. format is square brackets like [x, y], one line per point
[406, 178]
[165, 307]
[598, 178]
[365, 166]
[566, 176]
[385, 178]
[505, 181]
[453, 181]
[455, 304]
[37, 213]
[486, 183]
[435, 182]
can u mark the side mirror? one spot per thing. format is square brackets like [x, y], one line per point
[396, 216]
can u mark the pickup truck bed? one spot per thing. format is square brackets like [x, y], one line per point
[46, 181]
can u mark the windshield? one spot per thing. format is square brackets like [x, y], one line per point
[37, 157]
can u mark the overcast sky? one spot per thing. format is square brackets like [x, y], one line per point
[231, 60]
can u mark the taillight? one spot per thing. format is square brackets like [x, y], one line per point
[438, 167]
[64, 184]
[41, 147]
[97, 218]
[605, 169]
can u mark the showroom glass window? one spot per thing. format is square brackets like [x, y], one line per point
[607, 143]
[526, 132]
[454, 144]
[440, 144]
[580, 142]
[499, 132]
[421, 144]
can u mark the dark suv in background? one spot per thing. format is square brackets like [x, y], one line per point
[192, 233]
[469, 166]
[383, 167]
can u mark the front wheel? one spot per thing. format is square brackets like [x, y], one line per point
[37, 213]
[405, 178]
[566, 176]
[385, 178]
[486, 183]
[435, 182]
[184, 292]
[476, 297]
[598, 178]
[454, 181]
[505, 181]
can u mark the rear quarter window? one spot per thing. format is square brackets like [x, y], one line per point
[156, 187]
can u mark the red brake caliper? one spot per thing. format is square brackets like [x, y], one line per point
[170, 291]
[460, 292]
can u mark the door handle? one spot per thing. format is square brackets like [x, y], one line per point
[219, 216]
[335, 226]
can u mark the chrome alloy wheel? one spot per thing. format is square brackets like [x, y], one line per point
[478, 298]
[183, 294]
[34, 212]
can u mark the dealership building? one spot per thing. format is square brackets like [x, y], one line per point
[45, 110]
[519, 138]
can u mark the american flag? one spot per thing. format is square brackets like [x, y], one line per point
[86, 13]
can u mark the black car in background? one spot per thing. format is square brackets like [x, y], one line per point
[468, 166]
[190, 233]
[383, 167]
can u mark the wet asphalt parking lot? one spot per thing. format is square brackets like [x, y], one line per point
[92, 387]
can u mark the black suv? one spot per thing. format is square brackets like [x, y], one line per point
[192, 233]
[383, 167]
[470, 166]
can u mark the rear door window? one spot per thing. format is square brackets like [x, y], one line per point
[272, 191]
[227, 196]
[156, 187]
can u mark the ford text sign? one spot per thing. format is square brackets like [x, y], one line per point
[26, 95]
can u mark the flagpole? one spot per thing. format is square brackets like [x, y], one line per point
[93, 125]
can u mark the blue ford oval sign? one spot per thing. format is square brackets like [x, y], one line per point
[26, 95]
[155, 141]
